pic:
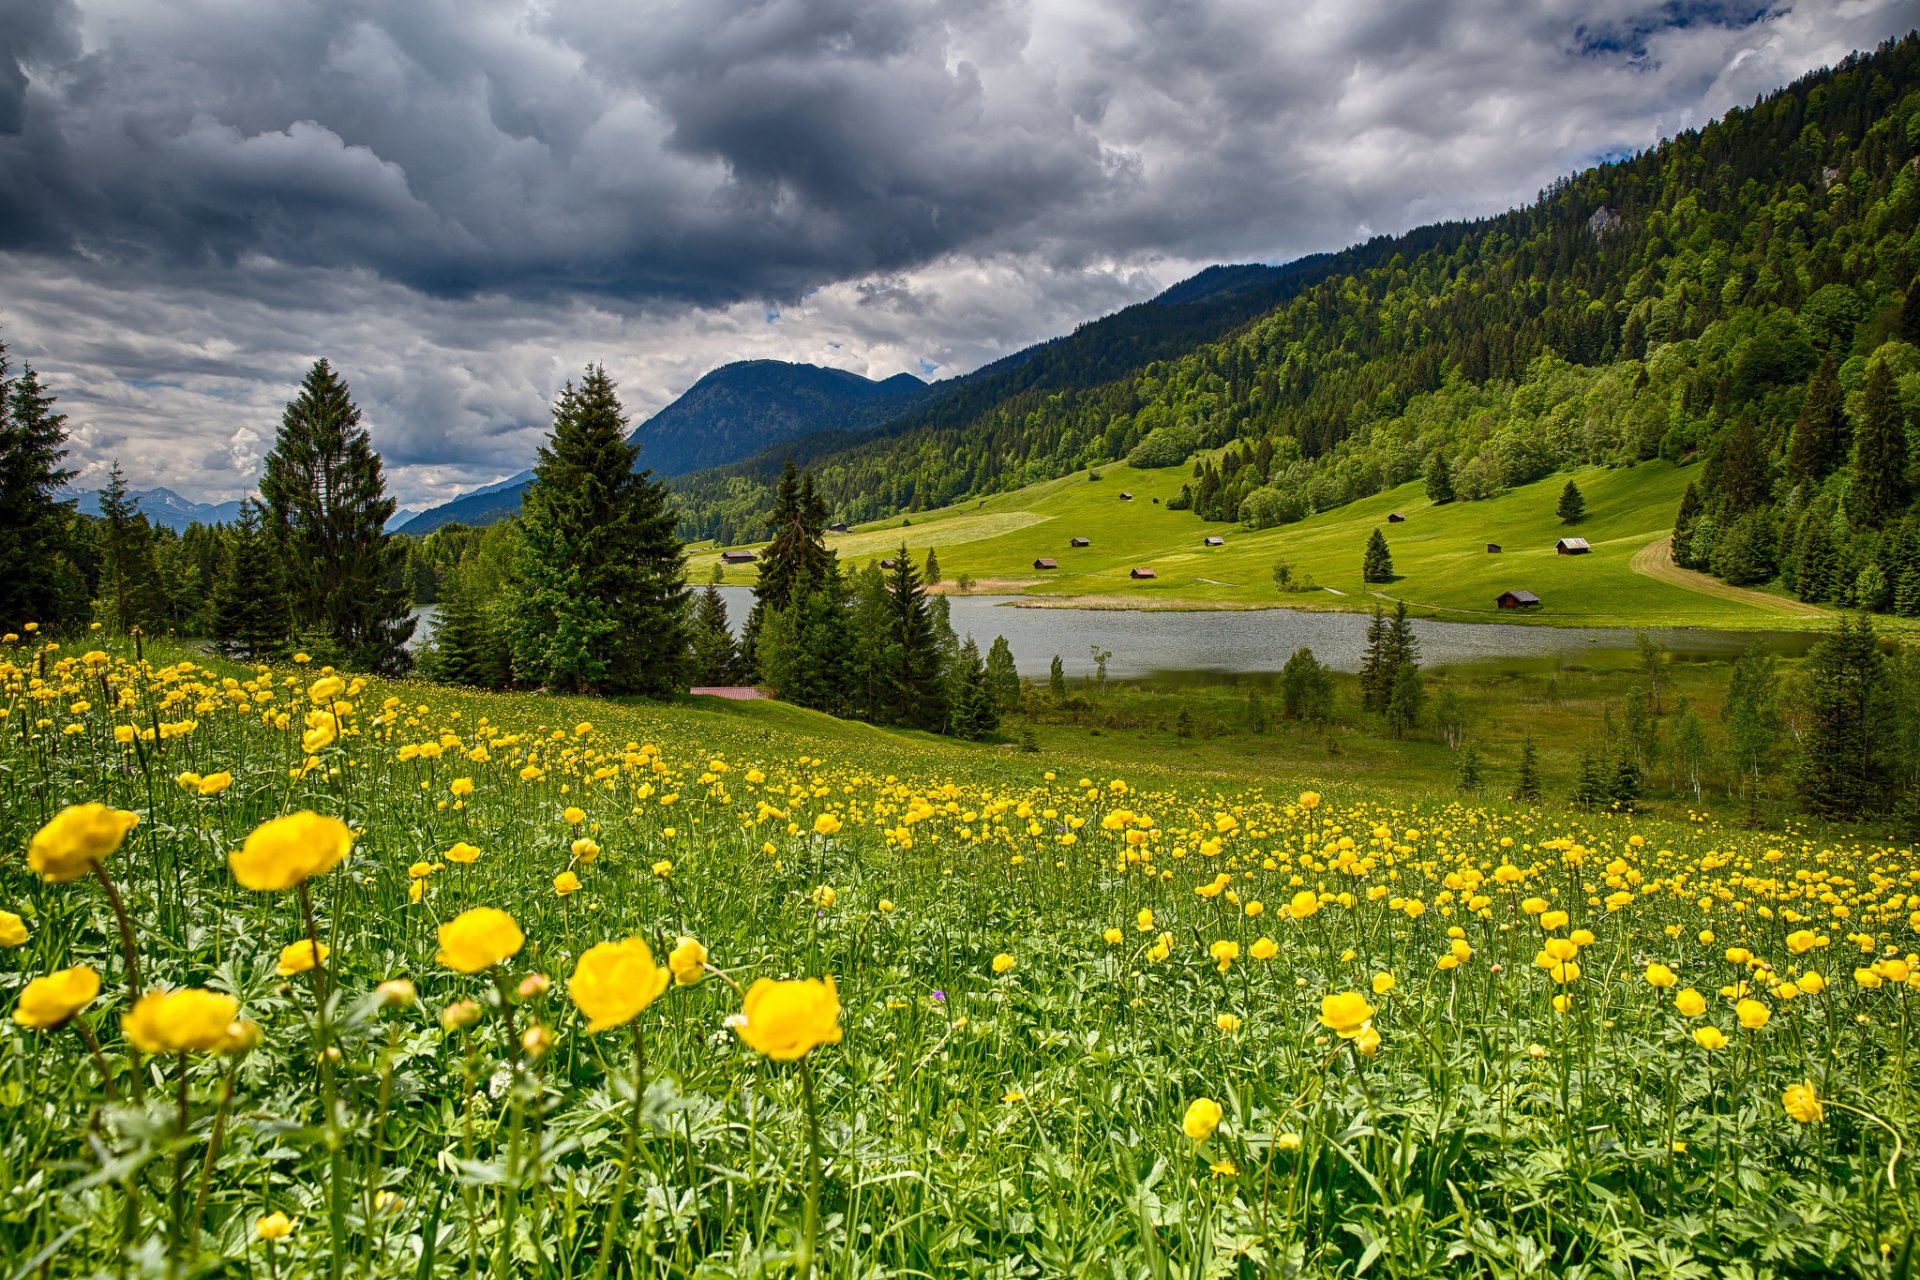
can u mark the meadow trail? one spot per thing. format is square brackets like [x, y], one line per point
[1655, 560]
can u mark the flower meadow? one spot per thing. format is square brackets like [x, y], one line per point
[311, 975]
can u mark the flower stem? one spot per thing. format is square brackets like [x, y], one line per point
[810, 1230]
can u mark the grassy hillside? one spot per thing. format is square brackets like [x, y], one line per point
[1439, 552]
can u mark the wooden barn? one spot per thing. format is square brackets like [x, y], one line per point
[1493, 548]
[1517, 600]
[1079, 542]
[889, 564]
[838, 528]
[737, 557]
[1572, 547]
[1216, 542]
[1142, 573]
[1125, 496]
[1396, 518]
[1045, 563]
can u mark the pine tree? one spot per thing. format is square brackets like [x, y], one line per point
[467, 647]
[1003, 679]
[1592, 784]
[1879, 452]
[1526, 785]
[916, 693]
[128, 595]
[1439, 479]
[716, 657]
[971, 711]
[809, 656]
[1405, 701]
[1378, 564]
[251, 616]
[1057, 680]
[795, 556]
[1821, 436]
[38, 578]
[1468, 772]
[1738, 472]
[600, 602]
[1909, 326]
[1376, 666]
[327, 509]
[1840, 770]
[1306, 690]
[1573, 504]
[933, 567]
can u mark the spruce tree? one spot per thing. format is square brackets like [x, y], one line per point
[1623, 784]
[716, 656]
[327, 509]
[1879, 452]
[1573, 504]
[467, 646]
[795, 556]
[1405, 701]
[1003, 679]
[1840, 771]
[1468, 771]
[1821, 436]
[601, 596]
[1909, 326]
[38, 578]
[251, 616]
[1738, 472]
[1439, 479]
[916, 692]
[128, 592]
[1377, 566]
[933, 567]
[1526, 784]
[1683, 522]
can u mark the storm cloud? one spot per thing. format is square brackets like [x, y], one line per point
[462, 201]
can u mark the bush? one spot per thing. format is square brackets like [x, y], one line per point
[1164, 447]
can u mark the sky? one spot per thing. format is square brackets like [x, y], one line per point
[462, 203]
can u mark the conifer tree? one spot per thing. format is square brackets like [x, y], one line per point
[1573, 504]
[129, 596]
[1376, 666]
[917, 696]
[971, 711]
[327, 509]
[933, 567]
[1439, 479]
[467, 645]
[796, 555]
[601, 597]
[1468, 772]
[1879, 452]
[1526, 784]
[1738, 472]
[1003, 679]
[1057, 679]
[1377, 566]
[39, 581]
[1821, 436]
[251, 616]
[1683, 522]
[716, 656]
[1405, 701]
[1839, 774]
[1623, 785]
[1909, 327]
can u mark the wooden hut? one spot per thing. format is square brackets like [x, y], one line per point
[1493, 548]
[1396, 518]
[1044, 563]
[1142, 573]
[1216, 542]
[1572, 547]
[838, 528]
[889, 564]
[1517, 600]
[1125, 496]
[1079, 542]
[737, 557]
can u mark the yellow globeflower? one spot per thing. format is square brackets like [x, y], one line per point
[1658, 975]
[1264, 948]
[298, 957]
[688, 962]
[1002, 962]
[614, 981]
[1202, 1118]
[1228, 1022]
[826, 824]
[785, 1020]
[1709, 1038]
[214, 783]
[284, 852]
[274, 1226]
[461, 786]
[463, 853]
[1383, 983]
[1690, 1003]
[1305, 903]
[1803, 1104]
[573, 815]
[1752, 1014]
[565, 883]
[327, 689]
[1224, 953]
[1309, 800]
[1346, 1014]
[478, 939]
[48, 1002]
[1144, 921]
[1113, 937]
[13, 930]
[77, 840]
[180, 1021]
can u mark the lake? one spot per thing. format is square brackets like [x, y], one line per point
[1256, 641]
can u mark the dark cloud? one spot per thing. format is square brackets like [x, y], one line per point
[461, 201]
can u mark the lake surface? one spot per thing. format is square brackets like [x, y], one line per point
[1259, 641]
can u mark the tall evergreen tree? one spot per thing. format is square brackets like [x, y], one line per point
[1003, 679]
[716, 656]
[467, 647]
[1526, 783]
[1737, 471]
[1879, 452]
[327, 509]
[1057, 679]
[933, 566]
[1376, 665]
[39, 581]
[1840, 770]
[1683, 522]
[917, 693]
[251, 616]
[1439, 479]
[601, 598]
[1377, 565]
[129, 597]
[795, 556]
[1821, 436]
[1573, 504]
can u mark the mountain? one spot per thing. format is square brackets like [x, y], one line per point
[734, 412]
[164, 507]
[1677, 303]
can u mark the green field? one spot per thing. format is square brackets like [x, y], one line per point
[1439, 553]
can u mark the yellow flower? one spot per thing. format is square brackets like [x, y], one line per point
[214, 783]
[1309, 800]
[1812, 983]
[1709, 1038]
[48, 1002]
[1658, 975]
[1803, 1104]
[1551, 920]
[179, 1021]
[565, 883]
[826, 824]
[461, 786]
[1345, 1014]
[785, 1020]
[1224, 953]
[13, 930]
[1264, 948]
[317, 739]
[1144, 921]
[613, 981]
[1002, 962]
[77, 840]
[463, 853]
[824, 896]
[397, 993]
[327, 689]
[1113, 937]
[1367, 1042]
[688, 962]
[274, 1226]
[1752, 1014]
[1202, 1118]
[478, 939]
[298, 957]
[886, 907]
[1305, 903]
[284, 852]
[1228, 1022]
[1690, 1003]
[574, 815]
[1382, 983]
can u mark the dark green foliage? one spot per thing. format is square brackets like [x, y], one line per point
[1439, 479]
[252, 618]
[600, 600]
[1056, 679]
[716, 655]
[1880, 490]
[1377, 565]
[1623, 786]
[795, 557]
[916, 696]
[1683, 522]
[1821, 435]
[1841, 772]
[1593, 784]
[972, 713]
[932, 572]
[326, 510]
[1468, 771]
[469, 645]
[1003, 680]
[1573, 505]
[128, 598]
[806, 650]
[1526, 783]
[1390, 684]
[1751, 713]
[39, 578]
[1737, 470]
[1405, 702]
[1306, 688]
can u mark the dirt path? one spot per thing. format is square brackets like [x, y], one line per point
[1655, 560]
